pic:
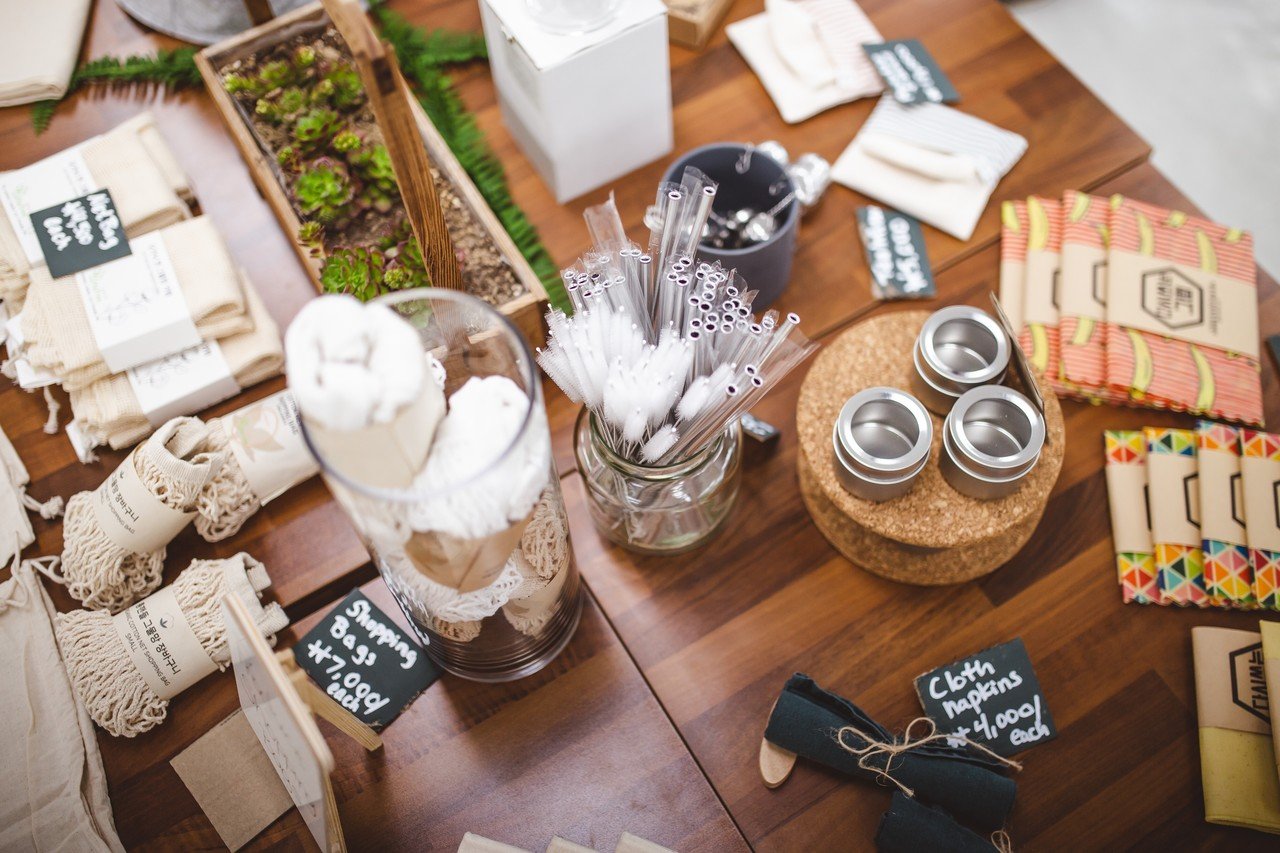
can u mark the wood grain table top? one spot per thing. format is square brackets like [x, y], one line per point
[650, 720]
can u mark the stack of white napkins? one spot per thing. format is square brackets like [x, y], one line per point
[39, 43]
[808, 54]
[930, 161]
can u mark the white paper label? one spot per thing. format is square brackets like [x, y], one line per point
[1127, 500]
[1261, 502]
[135, 306]
[182, 383]
[266, 439]
[27, 377]
[160, 643]
[54, 179]
[131, 516]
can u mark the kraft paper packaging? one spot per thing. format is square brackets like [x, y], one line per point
[1039, 334]
[1260, 471]
[1228, 576]
[1182, 313]
[1173, 490]
[1130, 527]
[1237, 759]
[1271, 667]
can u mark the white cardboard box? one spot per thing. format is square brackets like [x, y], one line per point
[586, 109]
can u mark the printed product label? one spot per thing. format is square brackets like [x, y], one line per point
[1043, 280]
[182, 383]
[131, 516]
[1183, 302]
[1175, 499]
[1130, 518]
[266, 439]
[1221, 497]
[135, 306]
[160, 643]
[1084, 281]
[54, 179]
[1262, 501]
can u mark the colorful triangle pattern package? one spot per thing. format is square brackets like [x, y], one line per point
[1228, 576]
[1260, 476]
[1130, 517]
[1173, 492]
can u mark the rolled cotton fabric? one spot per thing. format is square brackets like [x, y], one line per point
[62, 338]
[39, 44]
[111, 411]
[124, 161]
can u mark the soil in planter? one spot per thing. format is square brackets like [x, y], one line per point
[303, 100]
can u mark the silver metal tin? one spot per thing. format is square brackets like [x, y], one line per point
[960, 347]
[991, 440]
[882, 441]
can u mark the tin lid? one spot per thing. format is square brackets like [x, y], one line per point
[995, 431]
[882, 434]
[962, 347]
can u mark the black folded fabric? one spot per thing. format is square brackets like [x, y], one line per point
[965, 783]
[910, 826]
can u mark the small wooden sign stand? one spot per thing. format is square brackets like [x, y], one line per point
[389, 96]
[279, 701]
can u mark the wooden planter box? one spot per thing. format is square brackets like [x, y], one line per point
[525, 311]
[690, 23]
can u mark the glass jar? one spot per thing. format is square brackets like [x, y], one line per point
[658, 510]
[481, 564]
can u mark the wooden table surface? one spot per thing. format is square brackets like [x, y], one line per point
[650, 720]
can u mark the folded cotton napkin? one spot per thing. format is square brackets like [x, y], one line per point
[56, 320]
[110, 412]
[132, 161]
[15, 526]
[808, 54]
[931, 161]
[39, 43]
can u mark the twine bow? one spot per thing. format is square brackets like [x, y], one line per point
[891, 749]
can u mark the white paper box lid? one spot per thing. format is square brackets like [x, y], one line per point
[547, 50]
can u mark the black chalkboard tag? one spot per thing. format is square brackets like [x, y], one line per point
[993, 698]
[80, 233]
[910, 72]
[894, 245]
[364, 661]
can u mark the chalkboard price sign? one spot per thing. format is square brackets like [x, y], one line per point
[364, 661]
[992, 697]
[80, 233]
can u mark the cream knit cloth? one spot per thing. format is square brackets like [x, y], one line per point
[15, 526]
[106, 680]
[174, 466]
[108, 411]
[55, 321]
[133, 162]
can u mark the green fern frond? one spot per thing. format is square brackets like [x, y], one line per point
[170, 69]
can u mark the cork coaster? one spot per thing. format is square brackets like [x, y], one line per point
[932, 515]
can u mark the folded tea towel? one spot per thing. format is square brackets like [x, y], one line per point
[121, 696]
[910, 825]
[121, 410]
[68, 322]
[931, 161]
[112, 557]
[144, 124]
[808, 54]
[367, 391]
[57, 798]
[125, 160]
[15, 526]
[39, 43]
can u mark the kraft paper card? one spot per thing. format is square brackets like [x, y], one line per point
[1126, 469]
[1174, 493]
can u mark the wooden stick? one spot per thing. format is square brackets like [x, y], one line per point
[389, 96]
[259, 11]
[322, 705]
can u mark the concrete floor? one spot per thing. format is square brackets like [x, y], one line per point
[1199, 80]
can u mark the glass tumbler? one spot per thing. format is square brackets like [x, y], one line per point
[491, 599]
[659, 509]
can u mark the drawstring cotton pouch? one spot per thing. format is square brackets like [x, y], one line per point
[53, 793]
[121, 410]
[104, 320]
[131, 161]
[114, 537]
[15, 526]
[127, 667]
[264, 455]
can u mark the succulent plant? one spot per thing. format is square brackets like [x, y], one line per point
[277, 74]
[342, 87]
[304, 56]
[323, 191]
[311, 236]
[236, 84]
[356, 270]
[288, 159]
[316, 127]
[346, 141]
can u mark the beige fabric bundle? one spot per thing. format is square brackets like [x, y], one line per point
[116, 694]
[39, 43]
[135, 164]
[15, 526]
[55, 322]
[53, 793]
[108, 411]
[100, 571]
